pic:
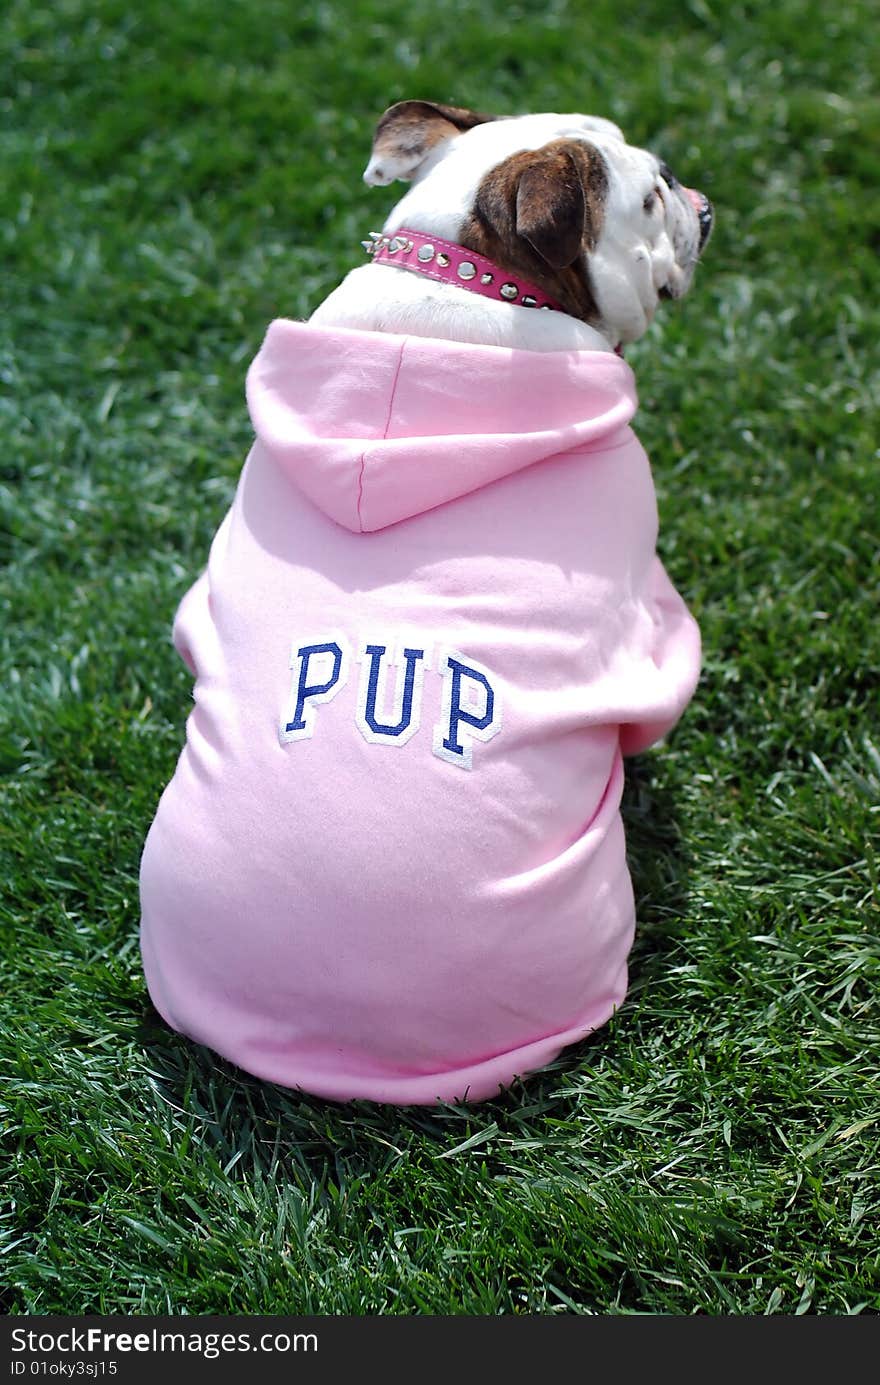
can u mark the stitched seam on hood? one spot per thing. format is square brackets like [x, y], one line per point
[360, 494]
[361, 491]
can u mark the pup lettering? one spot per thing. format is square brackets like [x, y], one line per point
[388, 709]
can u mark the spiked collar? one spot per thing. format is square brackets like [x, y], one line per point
[448, 263]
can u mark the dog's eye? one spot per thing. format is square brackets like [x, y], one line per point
[652, 199]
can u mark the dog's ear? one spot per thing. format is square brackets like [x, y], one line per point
[408, 132]
[559, 202]
[552, 198]
[551, 209]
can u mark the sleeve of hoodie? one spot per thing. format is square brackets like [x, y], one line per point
[193, 633]
[666, 676]
[192, 614]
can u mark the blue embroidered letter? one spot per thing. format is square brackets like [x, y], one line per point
[331, 660]
[482, 719]
[372, 692]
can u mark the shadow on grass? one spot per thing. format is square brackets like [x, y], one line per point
[263, 1127]
[659, 863]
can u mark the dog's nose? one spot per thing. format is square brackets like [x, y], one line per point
[704, 210]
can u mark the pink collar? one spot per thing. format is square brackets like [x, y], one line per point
[454, 264]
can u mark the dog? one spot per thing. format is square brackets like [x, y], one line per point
[390, 864]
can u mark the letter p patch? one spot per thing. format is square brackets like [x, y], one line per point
[471, 709]
[320, 670]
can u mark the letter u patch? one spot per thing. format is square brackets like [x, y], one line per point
[384, 717]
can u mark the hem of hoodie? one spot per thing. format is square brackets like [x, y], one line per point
[479, 1081]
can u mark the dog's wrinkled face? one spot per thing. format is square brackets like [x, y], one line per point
[603, 226]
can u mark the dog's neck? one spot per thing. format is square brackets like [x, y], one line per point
[384, 298]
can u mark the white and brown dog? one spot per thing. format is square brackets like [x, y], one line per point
[563, 200]
[440, 558]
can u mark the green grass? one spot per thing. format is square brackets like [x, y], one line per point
[172, 176]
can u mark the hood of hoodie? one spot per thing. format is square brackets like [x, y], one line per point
[375, 428]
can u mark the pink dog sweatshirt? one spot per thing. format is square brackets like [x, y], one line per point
[390, 863]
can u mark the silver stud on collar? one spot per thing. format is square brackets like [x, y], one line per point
[486, 278]
[425, 253]
[443, 260]
[508, 291]
[467, 270]
[528, 302]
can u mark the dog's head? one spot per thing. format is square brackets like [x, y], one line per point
[604, 227]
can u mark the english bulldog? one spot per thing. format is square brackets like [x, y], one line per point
[390, 864]
[603, 227]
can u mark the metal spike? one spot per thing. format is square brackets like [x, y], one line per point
[369, 246]
[375, 235]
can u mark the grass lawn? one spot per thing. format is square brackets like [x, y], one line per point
[174, 175]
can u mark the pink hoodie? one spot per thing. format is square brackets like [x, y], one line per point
[390, 863]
